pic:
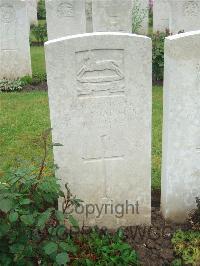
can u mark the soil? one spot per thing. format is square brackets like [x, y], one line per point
[153, 243]
[43, 86]
[39, 87]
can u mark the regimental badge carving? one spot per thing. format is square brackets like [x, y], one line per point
[65, 9]
[191, 8]
[7, 13]
[100, 72]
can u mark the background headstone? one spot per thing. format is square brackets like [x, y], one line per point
[112, 15]
[15, 58]
[100, 102]
[32, 11]
[184, 15]
[89, 26]
[65, 17]
[160, 15]
[181, 137]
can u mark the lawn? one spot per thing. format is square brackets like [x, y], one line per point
[38, 60]
[24, 116]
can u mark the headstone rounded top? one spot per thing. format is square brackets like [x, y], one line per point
[99, 34]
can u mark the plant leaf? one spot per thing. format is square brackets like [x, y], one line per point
[60, 216]
[27, 219]
[73, 221]
[50, 248]
[6, 205]
[13, 217]
[25, 202]
[62, 258]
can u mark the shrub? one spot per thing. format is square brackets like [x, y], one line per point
[138, 15]
[40, 33]
[41, 13]
[194, 216]
[158, 55]
[31, 228]
[187, 247]
[11, 85]
[150, 17]
[33, 231]
[37, 78]
[187, 244]
[19, 84]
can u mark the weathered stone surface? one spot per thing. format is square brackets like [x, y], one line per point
[184, 15]
[100, 102]
[181, 142]
[89, 25]
[65, 17]
[32, 11]
[14, 40]
[112, 15]
[160, 15]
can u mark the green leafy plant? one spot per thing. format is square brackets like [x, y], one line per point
[32, 229]
[105, 249]
[187, 247]
[38, 78]
[138, 15]
[11, 85]
[18, 84]
[41, 13]
[40, 33]
[158, 55]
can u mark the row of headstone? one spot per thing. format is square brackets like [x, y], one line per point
[100, 103]
[80, 16]
[63, 18]
[176, 15]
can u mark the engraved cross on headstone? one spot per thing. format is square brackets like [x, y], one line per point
[103, 159]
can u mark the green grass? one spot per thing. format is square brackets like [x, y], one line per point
[157, 136]
[24, 116]
[38, 60]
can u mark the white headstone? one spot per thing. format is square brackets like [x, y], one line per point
[112, 15]
[181, 138]
[184, 15]
[15, 59]
[141, 14]
[32, 11]
[100, 101]
[89, 26]
[65, 17]
[160, 15]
